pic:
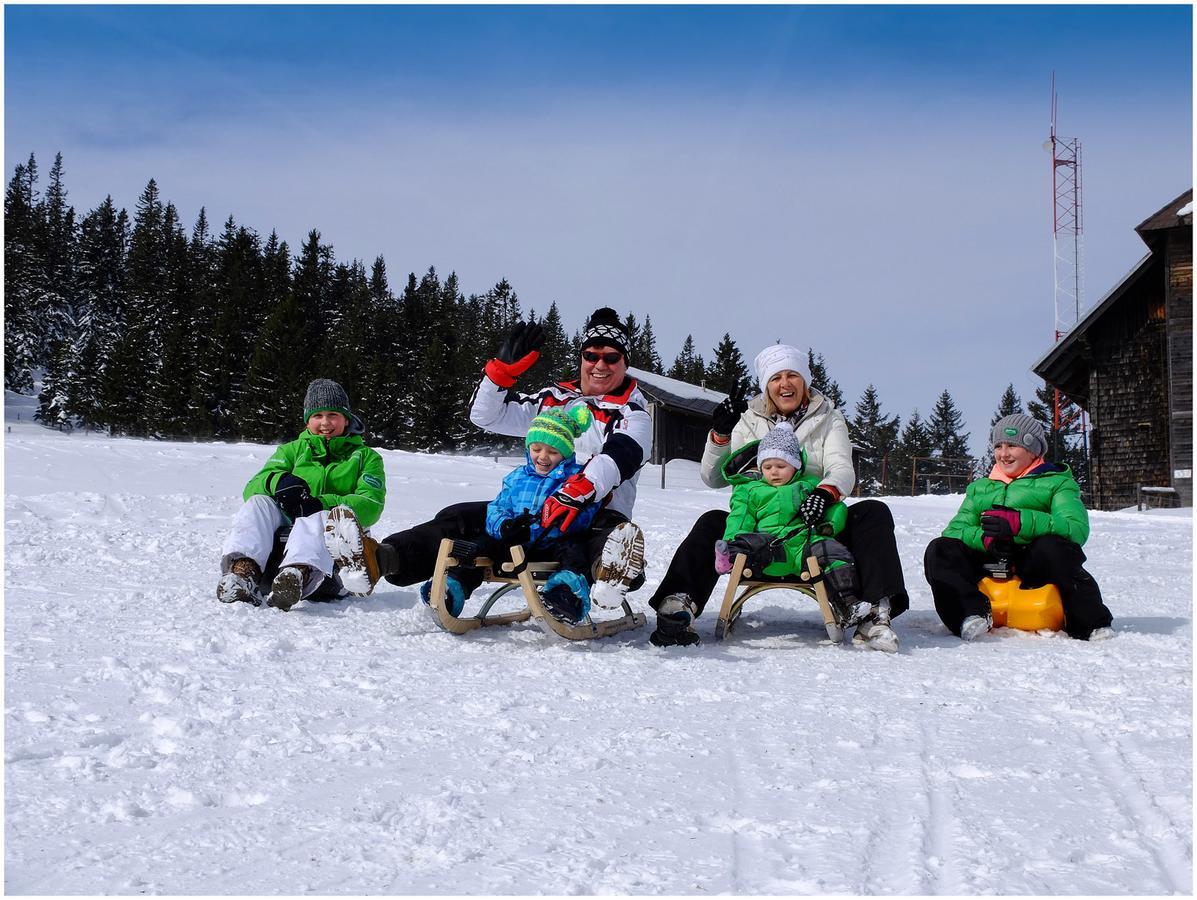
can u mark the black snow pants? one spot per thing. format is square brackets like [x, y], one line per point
[417, 547]
[869, 535]
[953, 570]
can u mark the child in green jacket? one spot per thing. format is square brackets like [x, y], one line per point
[327, 466]
[1026, 510]
[766, 523]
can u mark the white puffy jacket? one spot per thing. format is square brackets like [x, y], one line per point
[823, 434]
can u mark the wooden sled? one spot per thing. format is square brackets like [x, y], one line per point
[584, 630]
[463, 624]
[741, 576]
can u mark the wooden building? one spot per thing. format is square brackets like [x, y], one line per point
[1129, 364]
[681, 416]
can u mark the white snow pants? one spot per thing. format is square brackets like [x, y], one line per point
[252, 535]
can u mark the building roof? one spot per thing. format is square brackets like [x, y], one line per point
[677, 394]
[1173, 215]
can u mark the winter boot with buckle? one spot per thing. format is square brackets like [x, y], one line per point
[875, 632]
[354, 553]
[240, 583]
[674, 616]
[287, 589]
[620, 566]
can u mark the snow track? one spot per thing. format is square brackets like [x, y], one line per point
[160, 742]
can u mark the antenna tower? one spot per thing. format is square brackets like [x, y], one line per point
[1067, 265]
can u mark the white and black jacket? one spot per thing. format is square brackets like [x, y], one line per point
[613, 449]
[822, 433]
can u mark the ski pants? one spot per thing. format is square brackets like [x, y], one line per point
[417, 547]
[252, 535]
[868, 535]
[953, 570]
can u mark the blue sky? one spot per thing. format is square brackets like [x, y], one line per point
[866, 180]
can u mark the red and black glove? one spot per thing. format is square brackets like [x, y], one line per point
[814, 507]
[999, 524]
[563, 506]
[517, 354]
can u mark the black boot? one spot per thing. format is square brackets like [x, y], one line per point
[674, 616]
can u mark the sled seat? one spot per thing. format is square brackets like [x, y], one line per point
[742, 585]
[1026, 609]
[584, 630]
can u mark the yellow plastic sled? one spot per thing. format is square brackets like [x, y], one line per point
[1027, 610]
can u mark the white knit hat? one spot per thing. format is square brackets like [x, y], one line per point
[777, 358]
[780, 443]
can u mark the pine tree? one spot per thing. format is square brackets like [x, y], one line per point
[822, 382]
[687, 366]
[174, 412]
[875, 435]
[914, 444]
[950, 445]
[557, 361]
[24, 279]
[646, 356]
[727, 369]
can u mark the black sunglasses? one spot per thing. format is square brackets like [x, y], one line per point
[610, 358]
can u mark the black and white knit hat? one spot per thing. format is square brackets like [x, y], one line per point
[325, 395]
[603, 329]
[780, 443]
[1019, 429]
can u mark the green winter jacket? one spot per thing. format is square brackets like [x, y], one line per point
[759, 506]
[1047, 498]
[338, 470]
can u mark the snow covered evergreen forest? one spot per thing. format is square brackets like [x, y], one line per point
[159, 742]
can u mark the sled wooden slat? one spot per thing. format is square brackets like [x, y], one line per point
[741, 577]
[581, 632]
[464, 624]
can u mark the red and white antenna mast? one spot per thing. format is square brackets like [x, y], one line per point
[1066, 225]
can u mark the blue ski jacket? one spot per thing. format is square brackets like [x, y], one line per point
[525, 490]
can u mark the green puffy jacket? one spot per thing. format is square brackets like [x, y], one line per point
[338, 470]
[759, 506]
[1048, 501]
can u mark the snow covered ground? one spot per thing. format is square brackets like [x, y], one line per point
[159, 742]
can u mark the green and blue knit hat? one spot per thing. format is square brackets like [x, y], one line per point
[558, 428]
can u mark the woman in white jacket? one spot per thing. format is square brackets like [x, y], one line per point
[786, 397]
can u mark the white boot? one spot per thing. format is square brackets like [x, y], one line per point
[875, 631]
[975, 626]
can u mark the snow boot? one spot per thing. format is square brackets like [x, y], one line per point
[975, 626]
[455, 595]
[620, 566]
[566, 597]
[875, 631]
[674, 618]
[354, 553]
[287, 589]
[1101, 634]
[240, 583]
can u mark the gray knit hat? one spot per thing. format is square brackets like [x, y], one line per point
[1019, 429]
[780, 443]
[325, 395]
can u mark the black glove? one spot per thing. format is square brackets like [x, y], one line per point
[761, 549]
[728, 412]
[294, 497]
[517, 530]
[814, 507]
[520, 341]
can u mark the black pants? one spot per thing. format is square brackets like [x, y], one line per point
[417, 547]
[869, 535]
[953, 570]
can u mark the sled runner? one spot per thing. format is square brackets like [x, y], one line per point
[584, 630]
[463, 624]
[810, 584]
[1026, 609]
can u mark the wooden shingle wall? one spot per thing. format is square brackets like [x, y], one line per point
[1179, 262]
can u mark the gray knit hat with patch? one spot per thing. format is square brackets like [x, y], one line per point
[1019, 429]
[780, 443]
[325, 395]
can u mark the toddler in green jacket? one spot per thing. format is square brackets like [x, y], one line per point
[766, 522]
[328, 465]
[1029, 511]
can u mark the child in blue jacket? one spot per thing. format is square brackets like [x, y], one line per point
[513, 517]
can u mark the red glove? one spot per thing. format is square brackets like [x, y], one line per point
[564, 505]
[504, 374]
[999, 524]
